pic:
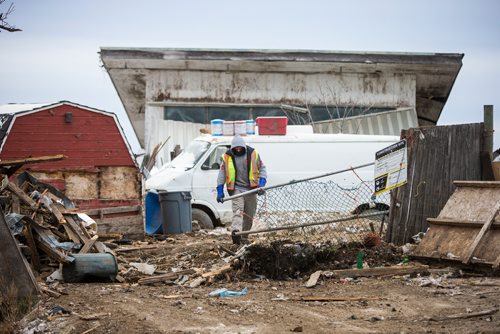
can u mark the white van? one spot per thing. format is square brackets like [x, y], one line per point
[287, 157]
[294, 156]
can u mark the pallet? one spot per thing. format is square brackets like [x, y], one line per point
[467, 228]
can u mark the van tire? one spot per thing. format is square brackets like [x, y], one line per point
[203, 219]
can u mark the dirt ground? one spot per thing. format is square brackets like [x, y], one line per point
[389, 304]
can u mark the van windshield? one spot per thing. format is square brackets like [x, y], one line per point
[191, 155]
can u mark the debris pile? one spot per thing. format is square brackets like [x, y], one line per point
[51, 232]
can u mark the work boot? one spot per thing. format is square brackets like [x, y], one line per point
[236, 238]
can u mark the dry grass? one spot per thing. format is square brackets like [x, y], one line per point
[12, 307]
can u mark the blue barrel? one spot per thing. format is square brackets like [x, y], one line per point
[176, 214]
[153, 213]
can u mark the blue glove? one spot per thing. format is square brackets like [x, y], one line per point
[220, 193]
[262, 182]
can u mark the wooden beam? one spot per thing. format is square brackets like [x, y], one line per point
[165, 277]
[382, 271]
[477, 184]
[35, 258]
[461, 223]
[13, 188]
[33, 160]
[53, 253]
[481, 233]
[88, 245]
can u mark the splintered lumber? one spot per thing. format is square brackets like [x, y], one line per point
[53, 253]
[131, 249]
[220, 271]
[481, 233]
[465, 315]
[33, 160]
[165, 277]
[35, 259]
[382, 271]
[13, 188]
[88, 245]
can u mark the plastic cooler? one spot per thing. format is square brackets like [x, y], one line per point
[272, 125]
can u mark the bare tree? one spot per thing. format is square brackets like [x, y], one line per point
[4, 25]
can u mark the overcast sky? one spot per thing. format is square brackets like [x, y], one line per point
[55, 57]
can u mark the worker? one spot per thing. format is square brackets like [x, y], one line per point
[241, 170]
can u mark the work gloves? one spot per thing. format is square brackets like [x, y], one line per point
[220, 193]
[262, 184]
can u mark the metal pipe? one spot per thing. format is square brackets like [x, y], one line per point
[291, 227]
[295, 181]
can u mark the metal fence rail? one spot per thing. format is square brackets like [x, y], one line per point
[319, 209]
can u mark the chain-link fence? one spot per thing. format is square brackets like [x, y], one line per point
[320, 209]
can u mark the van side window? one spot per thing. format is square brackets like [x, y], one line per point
[214, 160]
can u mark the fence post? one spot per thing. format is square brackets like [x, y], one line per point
[488, 129]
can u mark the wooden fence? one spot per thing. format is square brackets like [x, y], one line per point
[436, 157]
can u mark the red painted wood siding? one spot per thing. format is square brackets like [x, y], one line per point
[91, 140]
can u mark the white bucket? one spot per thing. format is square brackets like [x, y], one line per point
[240, 128]
[250, 126]
[216, 127]
[228, 128]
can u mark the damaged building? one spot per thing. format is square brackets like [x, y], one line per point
[176, 92]
[99, 171]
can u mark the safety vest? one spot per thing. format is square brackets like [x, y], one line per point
[252, 165]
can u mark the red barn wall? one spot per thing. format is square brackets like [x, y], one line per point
[92, 139]
[98, 171]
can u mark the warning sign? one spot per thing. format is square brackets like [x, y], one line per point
[390, 167]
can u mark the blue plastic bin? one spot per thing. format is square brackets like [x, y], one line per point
[153, 213]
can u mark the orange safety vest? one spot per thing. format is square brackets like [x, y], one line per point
[253, 168]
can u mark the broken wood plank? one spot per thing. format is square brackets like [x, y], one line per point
[222, 270]
[382, 271]
[481, 233]
[465, 315]
[13, 188]
[55, 210]
[313, 279]
[336, 299]
[35, 258]
[165, 277]
[461, 223]
[88, 245]
[77, 228]
[131, 249]
[33, 160]
[197, 282]
[50, 292]
[53, 253]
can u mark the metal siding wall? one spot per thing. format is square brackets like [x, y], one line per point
[387, 123]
